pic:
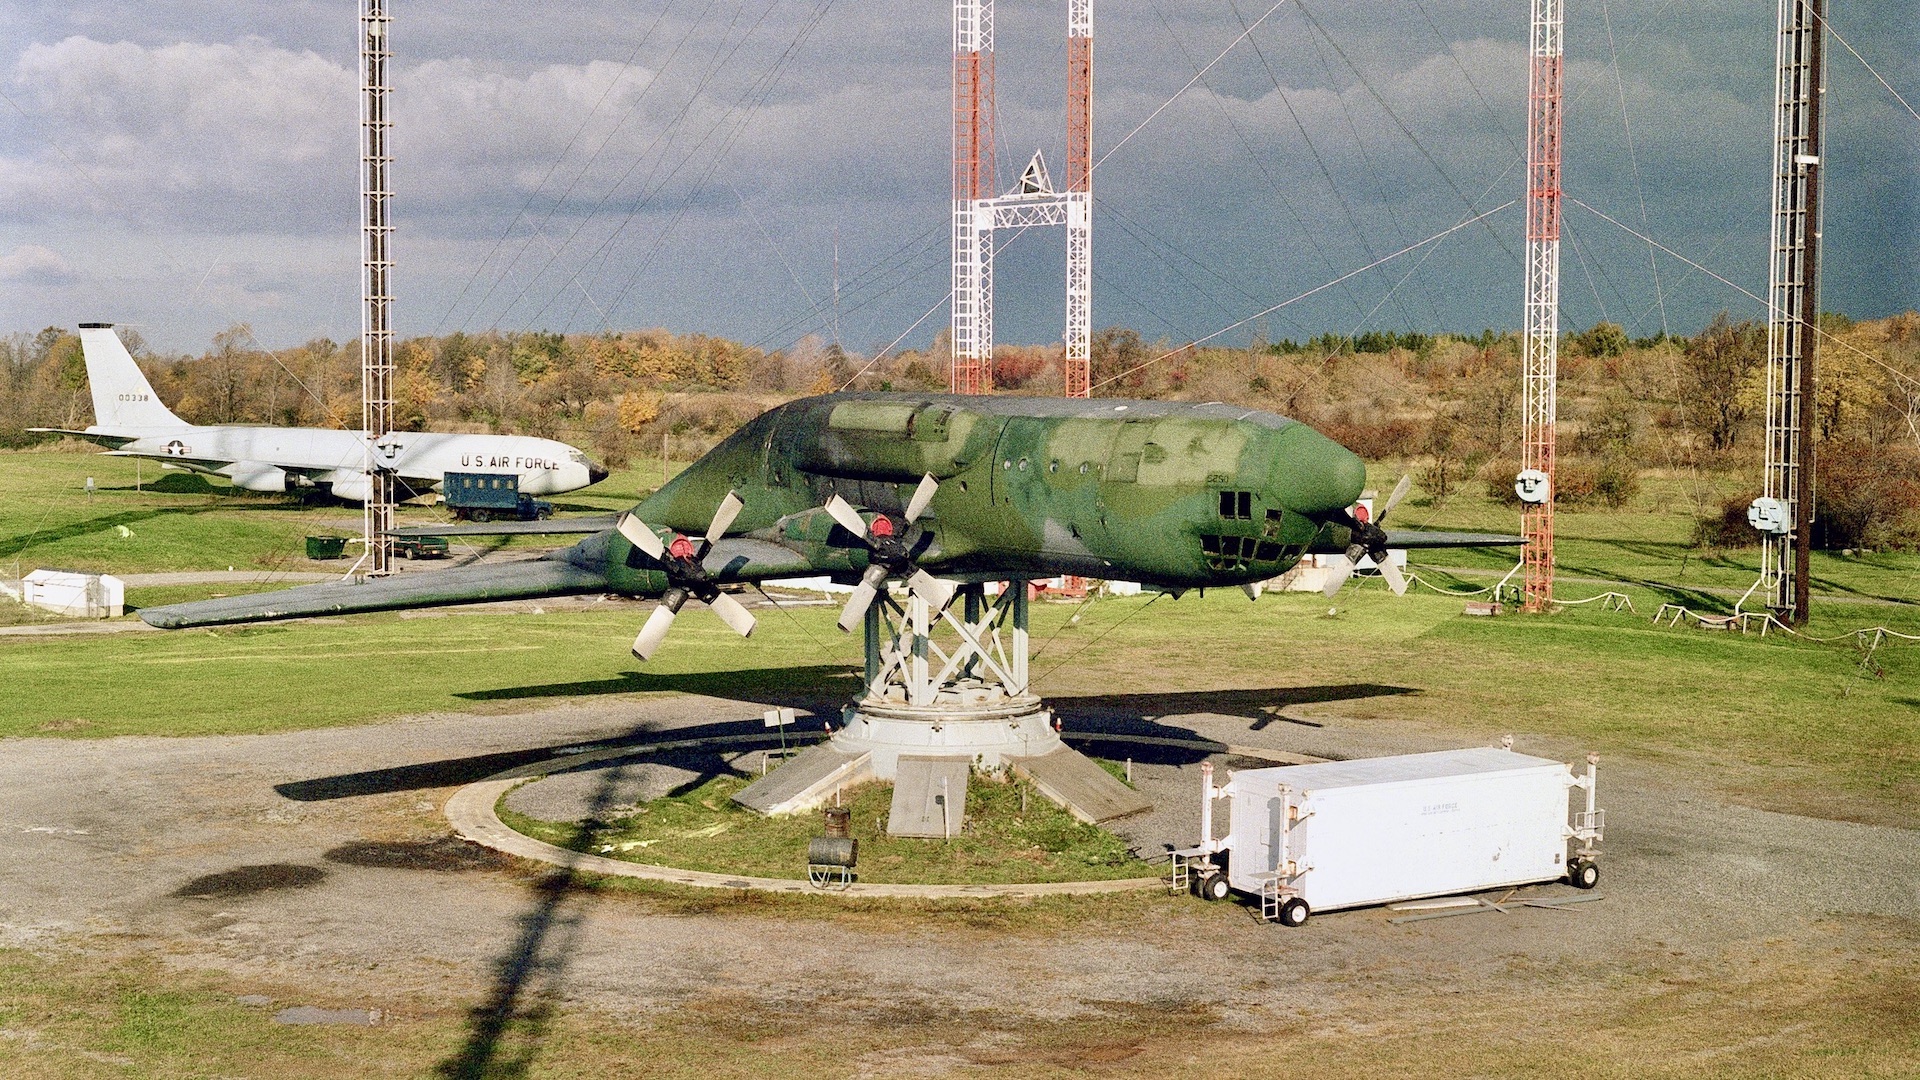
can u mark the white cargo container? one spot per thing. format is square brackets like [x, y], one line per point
[83, 596]
[1342, 834]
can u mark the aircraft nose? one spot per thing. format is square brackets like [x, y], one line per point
[1317, 475]
[596, 472]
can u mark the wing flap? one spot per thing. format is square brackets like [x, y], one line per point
[464, 585]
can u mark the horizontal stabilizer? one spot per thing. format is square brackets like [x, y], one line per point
[464, 585]
[591, 523]
[101, 437]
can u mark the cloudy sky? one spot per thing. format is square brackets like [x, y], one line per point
[694, 164]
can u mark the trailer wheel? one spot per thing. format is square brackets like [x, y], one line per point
[483, 515]
[1583, 873]
[1294, 912]
[1213, 887]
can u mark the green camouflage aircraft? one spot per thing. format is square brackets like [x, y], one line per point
[936, 489]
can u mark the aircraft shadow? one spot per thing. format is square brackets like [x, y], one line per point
[794, 687]
[457, 772]
[820, 690]
[14, 545]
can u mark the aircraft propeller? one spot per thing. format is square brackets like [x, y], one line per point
[1368, 538]
[890, 553]
[687, 577]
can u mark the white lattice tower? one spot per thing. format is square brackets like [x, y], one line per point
[376, 262]
[1541, 332]
[972, 185]
[1793, 311]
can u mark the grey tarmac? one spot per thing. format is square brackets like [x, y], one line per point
[321, 858]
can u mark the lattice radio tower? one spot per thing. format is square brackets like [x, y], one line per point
[376, 267]
[1033, 201]
[1541, 334]
[1784, 511]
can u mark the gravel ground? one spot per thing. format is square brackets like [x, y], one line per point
[320, 858]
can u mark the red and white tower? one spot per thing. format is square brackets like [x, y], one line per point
[977, 213]
[972, 185]
[1541, 332]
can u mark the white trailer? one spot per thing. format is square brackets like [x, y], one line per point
[1342, 834]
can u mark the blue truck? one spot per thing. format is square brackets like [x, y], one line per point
[486, 496]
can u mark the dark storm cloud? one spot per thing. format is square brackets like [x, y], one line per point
[694, 165]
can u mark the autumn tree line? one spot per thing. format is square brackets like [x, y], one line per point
[1448, 404]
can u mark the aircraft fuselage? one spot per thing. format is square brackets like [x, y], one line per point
[1166, 493]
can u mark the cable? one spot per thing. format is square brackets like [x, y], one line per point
[1189, 85]
[1316, 289]
[1842, 342]
[1633, 158]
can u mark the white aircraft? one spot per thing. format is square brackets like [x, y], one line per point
[129, 418]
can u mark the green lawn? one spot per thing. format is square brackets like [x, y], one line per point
[1007, 835]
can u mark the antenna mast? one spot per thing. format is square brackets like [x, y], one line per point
[1540, 347]
[1032, 202]
[376, 265]
[1784, 511]
[972, 181]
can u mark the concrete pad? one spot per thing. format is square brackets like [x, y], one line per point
[807, 781]
[1079, 784]
[929, 796]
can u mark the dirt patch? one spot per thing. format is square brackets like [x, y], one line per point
[250, 881]
[442, 854]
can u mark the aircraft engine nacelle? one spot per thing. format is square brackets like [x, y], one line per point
[352, 487]
[256, 476]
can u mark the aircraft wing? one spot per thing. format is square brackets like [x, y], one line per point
[1422, 538]
[463, 585]
[591, 523]
[1334, 541]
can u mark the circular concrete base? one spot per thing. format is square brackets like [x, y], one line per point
[471, 812]
[990, 731]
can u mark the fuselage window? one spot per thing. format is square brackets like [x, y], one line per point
[1236, 505]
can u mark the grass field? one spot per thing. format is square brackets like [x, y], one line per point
[1008, 835]
[1826, 728]
[93, 1015]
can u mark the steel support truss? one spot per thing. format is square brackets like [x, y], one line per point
[923, 658]
[376, 262]
[1541, 334]
[1784, 512]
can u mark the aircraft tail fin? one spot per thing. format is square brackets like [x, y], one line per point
[122, 396]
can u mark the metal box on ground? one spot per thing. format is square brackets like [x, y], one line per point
[326, 547]
[1345, 834]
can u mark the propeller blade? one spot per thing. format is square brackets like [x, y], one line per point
[937, 593]
[922, 495]
[723, 517]
[1252, 589]
[862, 598]
[1395, 579]
[640, 536]
[733, 613]
[1399, 492]
[1342, 570]
[652, 634]
[843, 512]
